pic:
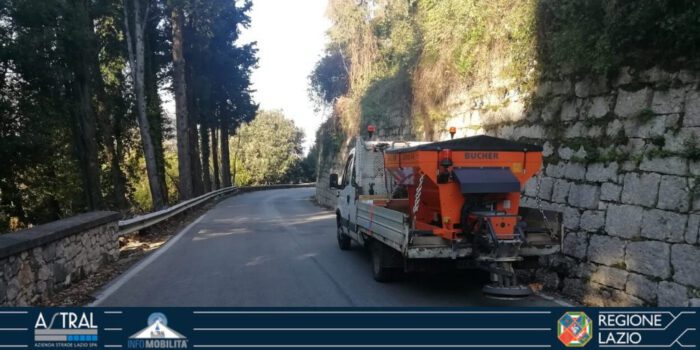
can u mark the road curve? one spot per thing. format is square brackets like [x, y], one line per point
[276, 248]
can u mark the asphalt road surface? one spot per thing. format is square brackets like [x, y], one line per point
[276, 248]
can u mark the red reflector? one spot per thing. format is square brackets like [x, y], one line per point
[446, 154]
[371, 128]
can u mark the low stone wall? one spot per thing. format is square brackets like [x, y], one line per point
[37, 262]
[326, 196]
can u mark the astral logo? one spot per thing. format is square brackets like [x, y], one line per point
[65, 330]
[157, 335]
[574, 329]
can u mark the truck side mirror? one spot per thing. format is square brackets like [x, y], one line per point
[333, 183]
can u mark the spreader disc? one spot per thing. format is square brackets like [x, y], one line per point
[520, 291]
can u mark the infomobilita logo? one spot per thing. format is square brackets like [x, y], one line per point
[157, 335]
[574, 329]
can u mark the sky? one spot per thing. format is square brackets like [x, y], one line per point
[291, 36]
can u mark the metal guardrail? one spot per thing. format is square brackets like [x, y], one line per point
[141, 222]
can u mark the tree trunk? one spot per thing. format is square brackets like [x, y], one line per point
[83, 111]
[136, 57]
[206, 172]
[197, 185]
[225, 160]
[87, 148]
[184, 160]
[215, 158]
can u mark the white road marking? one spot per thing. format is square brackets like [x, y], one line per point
[120, 281]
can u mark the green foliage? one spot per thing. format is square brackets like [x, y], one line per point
[599, 36]
[64, 84]
[386, 98]
[269, 149]
[329, 79]
[691, 149]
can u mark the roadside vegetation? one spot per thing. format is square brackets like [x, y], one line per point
[401, 58]
[82, 125]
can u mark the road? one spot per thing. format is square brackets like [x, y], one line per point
[276, 248]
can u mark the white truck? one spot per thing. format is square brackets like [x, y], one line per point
[380, 207]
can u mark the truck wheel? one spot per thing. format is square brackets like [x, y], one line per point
[380, 271]
[344, 241]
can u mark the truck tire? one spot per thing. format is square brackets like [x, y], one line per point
[344, 241]
[380, 269]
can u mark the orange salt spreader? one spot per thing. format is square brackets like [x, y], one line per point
[468, 190]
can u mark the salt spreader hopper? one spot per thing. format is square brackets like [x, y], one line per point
[421, 204]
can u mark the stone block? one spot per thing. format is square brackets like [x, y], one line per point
[613, 128]
[610, 192]
[545, 192]
[560, 190]
[672, 294]
[624, 77]
[610, 276]
[620, 298]
[692, 109]
[669, 165]
[547, 149]
[575, 171]
[685, 259]
[623, 220]
[599, 172]
[652, 128]
[678, 142]
[592, 220]
[576, 244]
[599, 106]
[584, 196]
[551, 109]
[642, 287]
[606, 250]
[569, 110]
[668, 101]
[654, 75]
[556, 170]
[663, 225]
[693, 230]
[674, 193]
[544, 89]
[649, 257]
[571, 218]
[591, 86]
[687, 76]
[631, 103]
[575, 131]
[562, 87]
[641, 189]
[530, 132]
[565, 153]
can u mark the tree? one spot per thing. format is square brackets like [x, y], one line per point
[271, 147]
[135, 18]
[183, 125]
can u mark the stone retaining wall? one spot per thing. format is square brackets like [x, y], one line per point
[37, 262]
[622, 162]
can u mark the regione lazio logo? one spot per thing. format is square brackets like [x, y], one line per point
[157, 335]
[574, 329]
